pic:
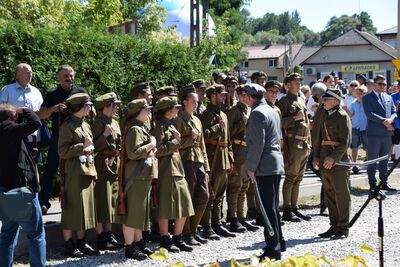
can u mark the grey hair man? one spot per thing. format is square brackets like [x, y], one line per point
[264, 163]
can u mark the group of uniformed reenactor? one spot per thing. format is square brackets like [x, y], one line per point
[168, 164]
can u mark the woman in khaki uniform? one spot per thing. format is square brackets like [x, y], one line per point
[140, 172]
[174, 196]
[195, 162]
[75, 147]
[107, 144]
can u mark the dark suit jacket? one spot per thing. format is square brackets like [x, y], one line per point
[376, 114]
[16, 164]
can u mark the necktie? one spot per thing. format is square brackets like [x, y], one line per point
[382, 103]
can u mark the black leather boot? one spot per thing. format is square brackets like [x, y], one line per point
[289, 216]
[208, 233]
[133, 252]
[330, 233]
[86, 249]
[190, 240]
[200, 239]
[166, 243]
[300, 215]
[247, 225]
[236, 226]
[142, 246]
[71, 251]
[178, 242]
[110, 237]
[220, 230]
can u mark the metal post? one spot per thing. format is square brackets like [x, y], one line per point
[194, 23]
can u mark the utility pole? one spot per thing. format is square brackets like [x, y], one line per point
[195, 22]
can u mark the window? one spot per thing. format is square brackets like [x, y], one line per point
[272, 62]
[244, 64]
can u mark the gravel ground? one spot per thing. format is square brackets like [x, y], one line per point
[301, 238]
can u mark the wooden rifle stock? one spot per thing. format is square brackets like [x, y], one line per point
[121, 172]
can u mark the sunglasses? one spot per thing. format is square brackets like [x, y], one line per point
[353, 85]
[382, 84]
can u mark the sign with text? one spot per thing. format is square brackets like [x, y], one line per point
[363, 68]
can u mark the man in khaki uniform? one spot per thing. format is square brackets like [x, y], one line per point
[259, 77]
[107, 144]
[236, 189]
[219, 151]
[297, 143]
[331, 141]
[200, 86]
[195, 162]
[231, 99]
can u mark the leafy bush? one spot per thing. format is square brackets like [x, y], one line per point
[103, 62]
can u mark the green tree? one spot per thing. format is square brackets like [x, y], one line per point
[103, 12]
[337, 26]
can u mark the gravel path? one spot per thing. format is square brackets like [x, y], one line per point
[301, 238]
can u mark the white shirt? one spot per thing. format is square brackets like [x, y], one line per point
[348, 99]
[29, 97]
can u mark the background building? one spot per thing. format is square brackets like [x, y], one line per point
[355, 52]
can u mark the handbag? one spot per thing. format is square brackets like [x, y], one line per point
[45, 136]
[17, 204]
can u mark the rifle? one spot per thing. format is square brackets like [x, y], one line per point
[121, 173]
[210, 189]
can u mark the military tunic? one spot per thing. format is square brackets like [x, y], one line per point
[334, 126]
[194, 158]
[107, 164]
[236, 188]
[79, 211]
[298, 143]
[174, 196]
[213, 134]
[141, 167]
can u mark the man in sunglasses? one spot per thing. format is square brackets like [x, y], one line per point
[381, 113]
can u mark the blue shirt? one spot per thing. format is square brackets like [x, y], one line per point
[358, 119]
[396, 100]
[14, 94]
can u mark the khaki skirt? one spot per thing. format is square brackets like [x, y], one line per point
[79, 211]
[174, 198]
[106, 193]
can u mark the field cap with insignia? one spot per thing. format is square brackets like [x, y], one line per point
[254, 89]
[167, 102]
[186, 90]
[166, 90]
[200, 83]
[333, 94]
[273, 83]
[79, 98]
[136, 105]
[292, 77]
[139, 87]
[240, 90]
[215, 89]
[106, 99]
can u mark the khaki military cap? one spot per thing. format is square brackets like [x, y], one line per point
[167, 102]
[79, 98]
[292, 77]
[168, 90]
[186, 90]
[136, 105]
[273, 83]
[200, 83]
[106, 99]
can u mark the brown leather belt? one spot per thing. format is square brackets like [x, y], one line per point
[298, 137]
[239, 142]
[215, 142]
[112, 153]
[330, 143]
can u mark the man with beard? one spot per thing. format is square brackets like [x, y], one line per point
[52, 106]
